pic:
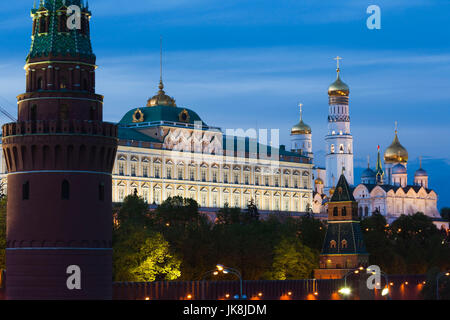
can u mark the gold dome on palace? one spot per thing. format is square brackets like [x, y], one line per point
[396, 153]
[301, 128]
[318, 181]
[161, 99]
[338, 88]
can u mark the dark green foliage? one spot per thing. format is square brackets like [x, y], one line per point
[429, 290]
[445, 213]
[411, 245]
[260, 249]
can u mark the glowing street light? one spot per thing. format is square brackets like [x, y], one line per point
[385, 292]
[345, 291]
[439, 276]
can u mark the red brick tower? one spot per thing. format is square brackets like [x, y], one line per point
[60, 156]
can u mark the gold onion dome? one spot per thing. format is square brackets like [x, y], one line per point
[396, 153]
[161, 99]
[301, 127]
[338, 88]
[318, 181]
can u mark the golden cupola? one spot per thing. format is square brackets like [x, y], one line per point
[161, 98]
[338, 88]
[396, 153]
[301, 127]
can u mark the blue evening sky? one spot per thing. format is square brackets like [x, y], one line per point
[246, 64]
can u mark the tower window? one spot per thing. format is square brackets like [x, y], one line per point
[64, 112]
[40, 84]
[62, 83]
[341, 148]
[344, 244]
[101, 192]
[335, 212]
[63, 23]
[65, 190]
[33, 115]
[26, 191]
[344, 211]
[92, 113]
[85, 85]
[332, 148]
[333, 244]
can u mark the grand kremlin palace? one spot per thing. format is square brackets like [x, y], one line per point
[165, 151]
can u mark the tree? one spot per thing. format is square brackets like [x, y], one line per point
[382, 251]
[144, 256]
[417, 240]
[133, 212]
[227, 215]
[157, 262]
[293, 260]
[429, 290]
[445, 213]
[178, 211]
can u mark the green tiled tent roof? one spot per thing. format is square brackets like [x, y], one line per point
[351, 232]
[160, 113]
[342, 191]
[55, 43]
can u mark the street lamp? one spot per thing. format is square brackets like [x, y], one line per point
[226, 270]
[439, 276]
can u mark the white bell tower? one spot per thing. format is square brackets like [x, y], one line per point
[339, 140]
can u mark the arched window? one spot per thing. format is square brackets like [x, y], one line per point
[333, 244]
[341, 148]
[62, 83]
[360, 211]
[344, 244]
[344, 211]
[332, 148]
[40, 83]
[26, 191]
[65, 190]
[335, 212]
[366, 211]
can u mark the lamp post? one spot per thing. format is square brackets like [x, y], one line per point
[439, 276]
[213, 272]
[346, 291]
[226, 270]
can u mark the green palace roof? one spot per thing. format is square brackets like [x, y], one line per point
[158, 114]
[53, 42]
